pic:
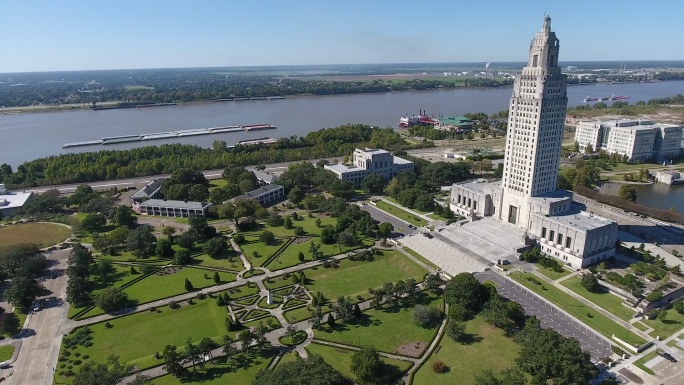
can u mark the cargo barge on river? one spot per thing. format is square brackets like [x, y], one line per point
[169, 135]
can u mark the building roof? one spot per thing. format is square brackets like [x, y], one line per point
[580, 220]
[342, 168]
[374, 150]
[552, 196]
[150, 189]
[455, 120]
[266, 177]
[13, 200]
[175, 204]
[398, 160]
[634, 124]
[263, 190]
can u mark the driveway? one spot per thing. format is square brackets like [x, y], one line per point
[549, 315]
[42, 338]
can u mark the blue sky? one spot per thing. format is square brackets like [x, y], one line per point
[98, 34]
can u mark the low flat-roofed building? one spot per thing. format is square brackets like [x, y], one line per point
[669, 177]
[265, 178]
[169, 208]
[151, 190]
[370, 161]
[11, 202]
[577, 238]
[265, 195]
[454, 123]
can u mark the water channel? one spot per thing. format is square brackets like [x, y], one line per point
[25, 137]
[659, 195]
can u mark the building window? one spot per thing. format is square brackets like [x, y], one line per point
[551, 234]
[543, 232]
[535, 59]
[568, 241]
[560, 239]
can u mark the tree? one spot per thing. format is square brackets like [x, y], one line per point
[433, 283]
[188, 285]
[590, 282]
[215, 247]
[288, 222]
[464, 290]
[229, 348]
[23, 258]
[344, 309]
[456, 331]
[105, 271]
[374, 184]
[314, 249]
[266, 237]
[123, 216]
[163, 249]
[385, 229]
[296, 195]
[199, 227]
[425, 316]
[111, 299]
[246, 337]
[628, 192]
[300, 257]
[312, 371]
[367, 366]
[9, 323]
[82, 194]
[191, 353]
[330, 321]
[357, 311]
[679, 306]
[182, 257]
[328, 235]
[109, 373]
[589, 148]
[347, 238]
[22, 292]
[217, 278]
[198, 193]
[173, 361]
[93, 223]
[141, 241]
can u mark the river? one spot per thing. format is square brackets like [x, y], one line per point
[659, 195]
[29, 136]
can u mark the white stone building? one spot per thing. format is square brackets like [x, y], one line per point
[370, 161]
[638, 139]
[527, 196]
[11, 202]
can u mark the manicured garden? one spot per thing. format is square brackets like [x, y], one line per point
[121, 277]
[39, 233]
[554, 275]
[240, 370]
[170, 282]
[340, 359]
[578, 309]
[665, 328]
[136, 337]
[490, 350]
[400, 213]
[390, 330]
[6, 352]
[603, 298]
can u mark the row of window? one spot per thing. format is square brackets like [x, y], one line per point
[558, 239]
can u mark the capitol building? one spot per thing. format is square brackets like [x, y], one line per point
[526, 199]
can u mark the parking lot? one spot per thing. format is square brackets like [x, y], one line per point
[667, 371]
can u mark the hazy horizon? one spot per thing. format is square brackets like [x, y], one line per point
[82, 36]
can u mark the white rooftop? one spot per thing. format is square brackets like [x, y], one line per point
[398, 160]
[342, 168]
[581, 220]
[13, 200]
[553, 196]
[175, 204]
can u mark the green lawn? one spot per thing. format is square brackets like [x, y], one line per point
[298, 314]
[289, 256]
[591, 317]
[640, 363]
[242, 291]
[354, 278]
[127, 256]
[6, 352]
[308, 224]
[640, 326]
[265, 251]
[122, 276]
[386, 330]
[604, 299]
[490, 351]
[136, 337]
[340, 359]
[288, 357]
[42, 234]
[216, 183]
[672, 324]
[401, 213]
[554, 275]
[157, 286]
[219, 263]
[240, 371]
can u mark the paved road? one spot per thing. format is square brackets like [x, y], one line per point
[549, 315]
[43, 337]
[400, 225]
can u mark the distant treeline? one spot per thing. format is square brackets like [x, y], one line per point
[169, 86]
[154, 160]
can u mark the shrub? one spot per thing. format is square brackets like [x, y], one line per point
[201, 296]
[85, 357]
[239, 239]
[654, 296]
[439, 367]
[173, 305]
[326, 264]
[77, 362]
[425, 316]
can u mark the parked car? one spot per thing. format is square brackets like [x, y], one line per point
[36, 306]
[668, 357]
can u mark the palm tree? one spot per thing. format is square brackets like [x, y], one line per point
[229, 348]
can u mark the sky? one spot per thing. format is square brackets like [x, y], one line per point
[106, 34]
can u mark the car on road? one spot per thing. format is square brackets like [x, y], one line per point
[668, 357]
[36, 306]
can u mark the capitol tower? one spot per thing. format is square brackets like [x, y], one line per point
[535, 129]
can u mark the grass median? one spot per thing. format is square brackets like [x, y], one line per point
[579, 310]
[603, 298]
[400, 213]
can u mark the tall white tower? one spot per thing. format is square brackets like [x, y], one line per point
[535, 129]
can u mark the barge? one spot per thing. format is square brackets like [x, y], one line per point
[170, 134]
